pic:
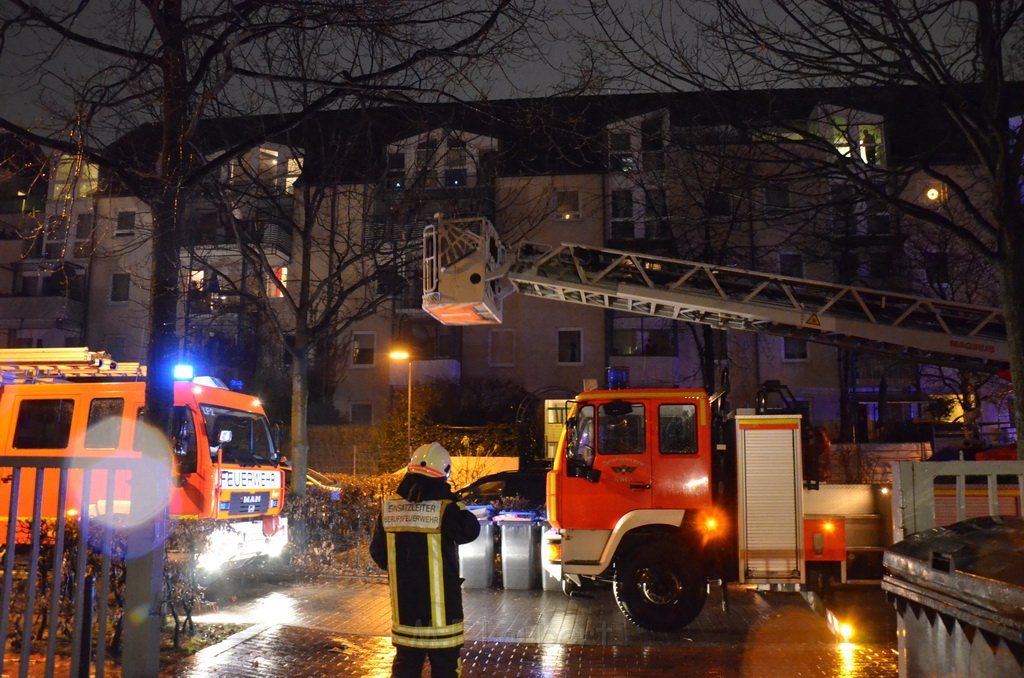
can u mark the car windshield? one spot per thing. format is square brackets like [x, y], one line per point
[241, 437]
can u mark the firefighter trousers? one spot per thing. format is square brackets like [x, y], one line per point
[444, 662]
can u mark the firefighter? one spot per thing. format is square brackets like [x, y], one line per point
[416, 540]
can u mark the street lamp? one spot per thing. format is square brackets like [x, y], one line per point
[407, 357]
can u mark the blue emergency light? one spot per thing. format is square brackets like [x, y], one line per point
[183, 372]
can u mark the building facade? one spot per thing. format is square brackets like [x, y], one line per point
[776, 182]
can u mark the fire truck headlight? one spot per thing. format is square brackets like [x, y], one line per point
[845, 632]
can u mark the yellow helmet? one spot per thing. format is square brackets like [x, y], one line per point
[431, 460]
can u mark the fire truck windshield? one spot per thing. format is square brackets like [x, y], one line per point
[240, 437]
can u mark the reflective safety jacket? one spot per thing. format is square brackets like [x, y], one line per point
[417, 542]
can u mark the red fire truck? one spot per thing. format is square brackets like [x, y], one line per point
[660, 490]
[74, 403]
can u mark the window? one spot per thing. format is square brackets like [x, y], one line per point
[83, 235]
[456, 155]
[292, 175]
[871, 144]
[570, 347]
[43, 424]
[267, 169]
[936, 268]
[794, 350]
[656, 214]
[620, 433]
[719, 204]
[636, 336]
[396, 171]
[567, 205]
[115, 345]
[677, 429]
[652, 143]
[425, 153]
[502, 348]
[360, 413]
[776, 198]
[104, 428]
[620, 152]
[125, 223]
[184, 442]
[840, 136]
[120, 284]
[622, 227]
[455, 178]
[791, 264]
[363, 348]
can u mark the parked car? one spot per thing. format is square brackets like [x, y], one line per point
[314, 479]
[526, 484]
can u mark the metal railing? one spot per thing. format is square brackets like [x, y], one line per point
[45, 576]
[929, 494]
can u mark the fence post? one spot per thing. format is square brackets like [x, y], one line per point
[144, 562]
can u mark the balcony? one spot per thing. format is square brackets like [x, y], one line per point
[42, 313]
[218, 244]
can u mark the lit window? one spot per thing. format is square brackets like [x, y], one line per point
[267, 170]
[871, 144]
[281, 274]
[294, 171]
[567, 205]
[840, 136]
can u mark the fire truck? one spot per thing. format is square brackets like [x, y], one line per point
[662, 490]
[79, 405]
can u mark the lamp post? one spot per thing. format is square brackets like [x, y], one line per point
[407, 357]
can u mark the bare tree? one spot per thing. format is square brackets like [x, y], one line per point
[959, 55]
[106, 68]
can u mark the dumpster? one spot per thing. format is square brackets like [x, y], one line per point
[476, 559]
[959, 598]
[520, 549]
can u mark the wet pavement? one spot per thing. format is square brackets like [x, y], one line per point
[339, 627]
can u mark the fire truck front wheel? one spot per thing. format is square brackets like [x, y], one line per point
[660, 587]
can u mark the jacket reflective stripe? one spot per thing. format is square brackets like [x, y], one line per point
[392, 572]
[428, 631]
[437, 615]
[427, 643]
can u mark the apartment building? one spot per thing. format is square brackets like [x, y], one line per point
[768, 181]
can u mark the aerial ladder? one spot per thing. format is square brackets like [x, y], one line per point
[467, 273]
